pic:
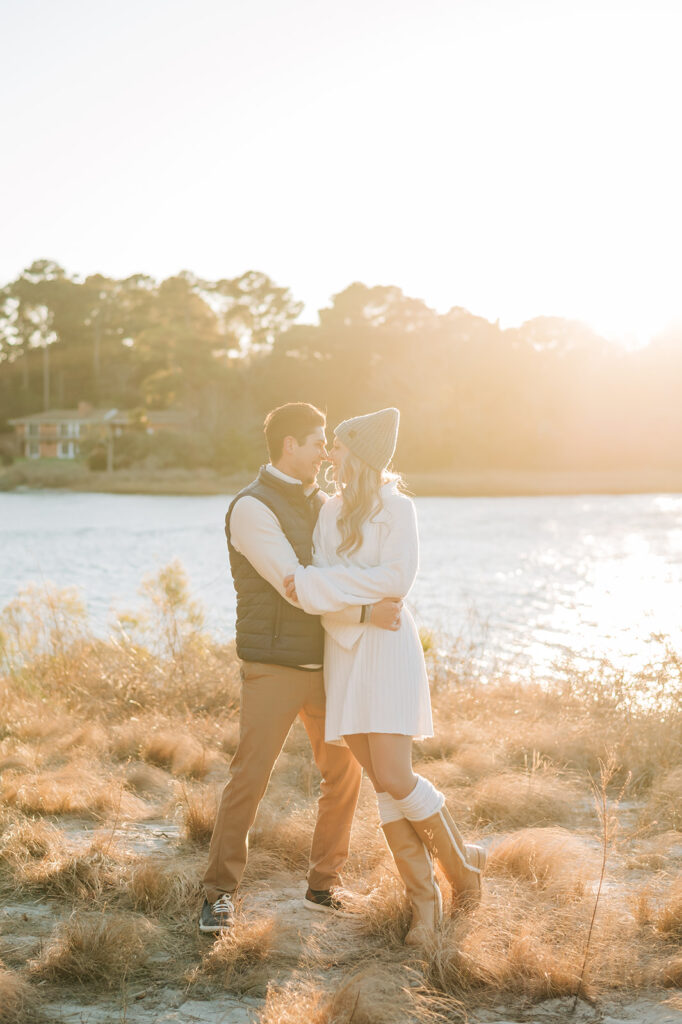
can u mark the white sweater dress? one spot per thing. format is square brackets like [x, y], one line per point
[375, 679]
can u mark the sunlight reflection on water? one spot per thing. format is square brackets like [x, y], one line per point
[528, 581]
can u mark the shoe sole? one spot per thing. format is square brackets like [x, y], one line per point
[210, 930]
[309, 905]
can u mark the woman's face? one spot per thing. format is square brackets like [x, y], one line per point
[337, 455]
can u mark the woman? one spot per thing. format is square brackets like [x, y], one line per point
[366, 548]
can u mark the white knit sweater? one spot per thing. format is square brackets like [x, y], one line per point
[384, 566]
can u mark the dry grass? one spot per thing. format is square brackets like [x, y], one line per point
[27, 839]
[549, 859]
[377, 994]
[524, 799]
[368, 850]
[147, 781]
[577, 746]
[96, 949]
[664, 806]
[285, 835]
[199, 808]
[386, 912]
[230, 737]
[178, 751]
[239, 959]
[129, 732]
[18, 999]
[164, 887]
[511, 946]
[36, 860]
[670, 974]
[295, 1002]
[73, 789]
[669, 918]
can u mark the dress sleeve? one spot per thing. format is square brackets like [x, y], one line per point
[328, 589]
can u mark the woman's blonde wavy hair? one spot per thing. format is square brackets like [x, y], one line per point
[360, 488]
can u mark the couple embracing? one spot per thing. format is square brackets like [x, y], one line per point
[322, 633]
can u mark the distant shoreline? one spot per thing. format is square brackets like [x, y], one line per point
[447, 483]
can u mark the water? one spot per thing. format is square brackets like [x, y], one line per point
[527, 580]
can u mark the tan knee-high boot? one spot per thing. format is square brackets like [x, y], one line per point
[476, 855]
[461, 864]
[415, 867]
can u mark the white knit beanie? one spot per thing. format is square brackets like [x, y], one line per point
[372, 437]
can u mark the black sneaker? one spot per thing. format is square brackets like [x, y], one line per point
[327, 901]
[218, 916]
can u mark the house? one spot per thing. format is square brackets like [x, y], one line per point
[59, 433]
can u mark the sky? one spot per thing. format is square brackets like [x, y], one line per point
[515, 157]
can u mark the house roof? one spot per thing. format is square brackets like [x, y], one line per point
[60, 415]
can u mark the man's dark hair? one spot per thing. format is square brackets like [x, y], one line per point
[296, 419]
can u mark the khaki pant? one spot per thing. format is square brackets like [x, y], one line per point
[272, 696]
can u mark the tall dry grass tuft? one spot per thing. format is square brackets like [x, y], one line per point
[75, 788]
[368, 848]
[230, 737]
[664, 806]
[39, 627]
[180, 752]
[174, 616]
[95, 872]
[161, 886]
[609, 827]
[286, 836]
[239, 959]
[670, 974]
[380, 994]
[96, 949]
[375, 994]
[519, 950]
[525, 799]
[27, 839]
[568, 744]
[147, 781]
[19, 1002]
[385, 912]
[295, 1002]
[551, 859]
[199, 808]
[46, 648]
[669, 919]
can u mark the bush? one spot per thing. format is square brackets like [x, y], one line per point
[165, 450]
[14, 477]
[97, 459]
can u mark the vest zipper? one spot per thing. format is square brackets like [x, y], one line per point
[278, 618]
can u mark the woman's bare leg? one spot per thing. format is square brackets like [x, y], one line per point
[358, 745]
[391, 758]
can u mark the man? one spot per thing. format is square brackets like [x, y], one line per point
[269, 528]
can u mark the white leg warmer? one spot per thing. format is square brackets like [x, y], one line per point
[388, 809]
[422, 802]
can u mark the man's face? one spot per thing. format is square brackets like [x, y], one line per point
[307, 458]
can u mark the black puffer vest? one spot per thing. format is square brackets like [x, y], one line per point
[269, 629]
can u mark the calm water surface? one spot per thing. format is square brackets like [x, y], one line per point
[528, 580]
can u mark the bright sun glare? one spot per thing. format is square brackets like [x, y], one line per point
[515, 159]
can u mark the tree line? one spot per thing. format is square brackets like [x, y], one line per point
[550, 394]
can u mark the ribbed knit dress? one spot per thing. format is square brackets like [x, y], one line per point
[375, 679]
